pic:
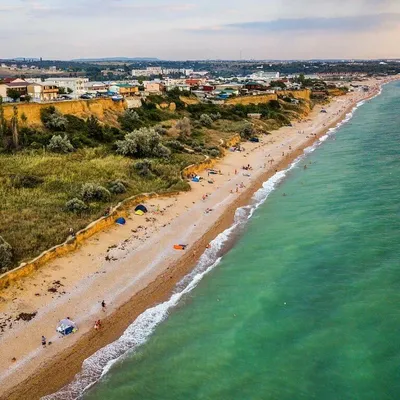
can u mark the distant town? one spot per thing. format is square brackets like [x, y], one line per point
[37, 80]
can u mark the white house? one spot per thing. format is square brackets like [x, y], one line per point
[77, 85]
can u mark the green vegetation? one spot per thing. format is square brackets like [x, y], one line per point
[67, 172]
[44, 194]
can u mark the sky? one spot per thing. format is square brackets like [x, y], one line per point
[200, 29]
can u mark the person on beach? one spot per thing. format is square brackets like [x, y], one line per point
[44, 341]
[97, 325]
[71, 232]
[103, 305]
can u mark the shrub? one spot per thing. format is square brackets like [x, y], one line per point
[26, 181]
[215, 116]
[53, 119]
[6, 256]
[94, 192]
[60, 144]
[214, 153]
[144, 142]
[175, 145]
[247, 131]
[143, 168]
[206, 120]
[161, 130]
[129, 120]
[94, 128]
[184, 127]
[75, 205]
[117, 187]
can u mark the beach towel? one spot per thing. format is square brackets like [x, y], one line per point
[139, 212]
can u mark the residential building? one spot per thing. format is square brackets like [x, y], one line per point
[77, 85]
[124, 89]
[43, 91]
[149, 71]
[20, 87]
[153, 87]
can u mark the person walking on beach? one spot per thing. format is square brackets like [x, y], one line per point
[44, 341]
[97, 325]
[103, 305]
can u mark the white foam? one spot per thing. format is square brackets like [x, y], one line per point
[94, 367]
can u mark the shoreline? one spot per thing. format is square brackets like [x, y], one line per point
[56, 375]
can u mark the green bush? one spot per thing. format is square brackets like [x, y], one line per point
[53, 119]
[117, 187]
[60, 144]
[214, 153]
[247, 131]
[175, 145]
[206, 120]
[94, 192]
[6, 256]
[143, 168]
[75, 205]
[144, 142]
[130, 120]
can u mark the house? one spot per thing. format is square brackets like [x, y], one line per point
[194, 82]
[43, 91]
[77, 85]
[20, 87]
[124, 89]
[153, 87]
[13, 80]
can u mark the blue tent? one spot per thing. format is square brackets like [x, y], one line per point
[196, 179]
[120, 221]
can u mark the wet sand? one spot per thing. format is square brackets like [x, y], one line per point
[135, 267]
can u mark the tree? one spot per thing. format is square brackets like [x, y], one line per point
[94, 128]
[27, 98]
[3, 124]
[144, 142]
[69, 90]
[13, 94]
[279, 84]
[14, 127]
[61, 90]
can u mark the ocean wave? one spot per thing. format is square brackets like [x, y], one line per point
[97, 365]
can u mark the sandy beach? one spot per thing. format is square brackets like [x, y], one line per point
[135, 266]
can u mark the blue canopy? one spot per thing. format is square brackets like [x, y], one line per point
[120, 221]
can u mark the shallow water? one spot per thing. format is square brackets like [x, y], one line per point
[306, 304]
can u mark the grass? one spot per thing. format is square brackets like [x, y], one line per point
[34, 219]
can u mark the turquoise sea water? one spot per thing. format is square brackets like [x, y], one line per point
[306, 305]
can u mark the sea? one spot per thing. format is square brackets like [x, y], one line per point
[298, 299]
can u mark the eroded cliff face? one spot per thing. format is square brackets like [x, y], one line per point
[100, 108]
[266, 98]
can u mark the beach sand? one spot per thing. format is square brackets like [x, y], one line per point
[134, 267]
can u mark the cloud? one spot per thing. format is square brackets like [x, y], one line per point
[363, 23]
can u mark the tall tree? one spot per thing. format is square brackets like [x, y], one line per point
[14, 127]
